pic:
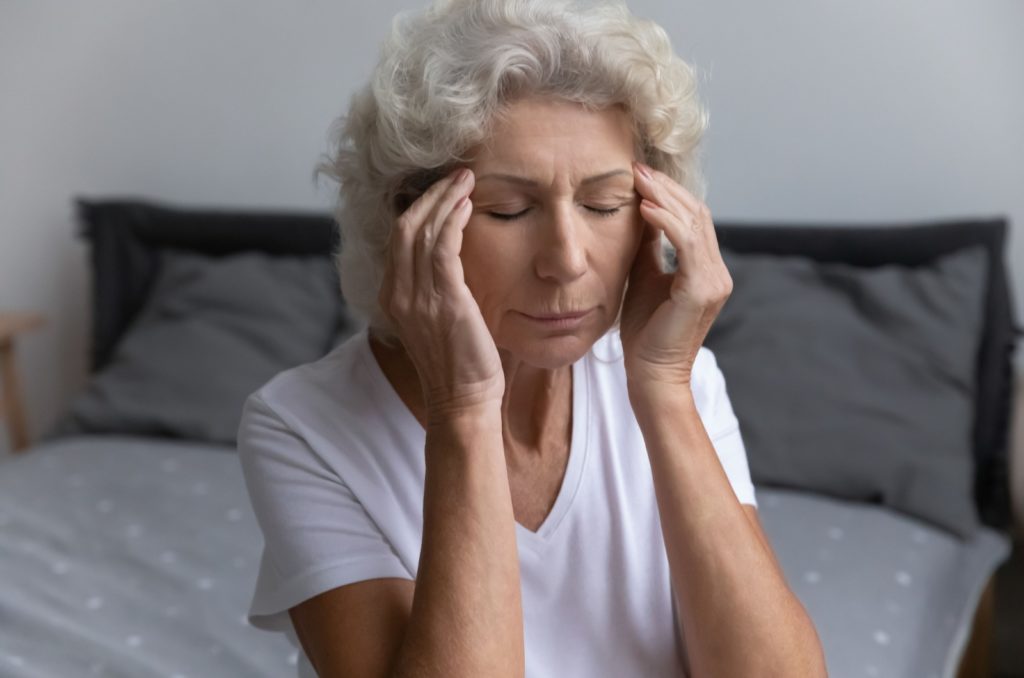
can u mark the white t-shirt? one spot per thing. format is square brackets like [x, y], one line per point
[334, 465]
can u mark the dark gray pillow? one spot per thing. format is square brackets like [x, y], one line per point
[213, 330]
[857, 382]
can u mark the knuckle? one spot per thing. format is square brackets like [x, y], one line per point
[704, 295]
[404, 222]
[399, 307]
[426, 234]
[438, 265]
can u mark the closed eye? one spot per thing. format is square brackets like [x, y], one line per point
[511, 217]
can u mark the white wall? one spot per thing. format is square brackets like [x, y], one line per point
[820, 110]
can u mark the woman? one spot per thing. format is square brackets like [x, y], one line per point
[527, 464]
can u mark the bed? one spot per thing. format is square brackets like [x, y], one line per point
[128, 543]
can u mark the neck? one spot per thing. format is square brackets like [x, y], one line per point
[535, 410]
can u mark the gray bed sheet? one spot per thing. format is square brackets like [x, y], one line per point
[135, 557]
[130, 557]
[891, 596]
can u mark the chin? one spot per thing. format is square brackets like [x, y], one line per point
[552, 351]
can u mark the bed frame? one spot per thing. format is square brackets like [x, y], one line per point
[913, 244]
[126, 235]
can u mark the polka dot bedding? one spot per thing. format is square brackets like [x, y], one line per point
[136, 557]
[890, 595]
[130, 557]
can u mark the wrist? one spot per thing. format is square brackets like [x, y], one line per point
[464, 435]
[459, 416]
[661, 390]
[659, 399]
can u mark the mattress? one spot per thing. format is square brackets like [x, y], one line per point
[130, 557]
[135, 557]
[890, 595]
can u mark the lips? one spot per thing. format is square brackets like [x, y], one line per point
[561, 316]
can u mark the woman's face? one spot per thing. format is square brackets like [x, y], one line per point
[567, 176]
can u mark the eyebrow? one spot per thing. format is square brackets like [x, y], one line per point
[530, 182]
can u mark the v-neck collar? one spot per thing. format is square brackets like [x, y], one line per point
[571, 481]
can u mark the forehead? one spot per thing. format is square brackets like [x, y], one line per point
[538, 129]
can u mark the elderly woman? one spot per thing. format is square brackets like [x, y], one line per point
[526, 464]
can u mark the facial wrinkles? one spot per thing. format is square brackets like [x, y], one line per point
[530, 285]
[557, 152]
[495, 193]
[555, 198]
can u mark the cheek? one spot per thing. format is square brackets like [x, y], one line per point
[492, 259]
[624, 244]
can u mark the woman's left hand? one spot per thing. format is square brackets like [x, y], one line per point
[665, 316]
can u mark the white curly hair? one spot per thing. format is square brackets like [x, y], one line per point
[443, 78]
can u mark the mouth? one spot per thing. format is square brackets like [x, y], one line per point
[560, 316]
[560, 321]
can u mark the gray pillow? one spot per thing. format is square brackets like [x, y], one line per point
[213, 330]
[858, 382]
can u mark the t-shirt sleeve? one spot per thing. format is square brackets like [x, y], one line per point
[724, 429]
[317, 536]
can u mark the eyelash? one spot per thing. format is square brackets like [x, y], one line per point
[604, 213]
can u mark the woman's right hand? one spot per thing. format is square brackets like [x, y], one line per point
[424, 293]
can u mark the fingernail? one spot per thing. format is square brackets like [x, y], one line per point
[462, 175]
[644, 170]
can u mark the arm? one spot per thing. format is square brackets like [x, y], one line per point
[466, 615]
[467, 618]
[739, 616]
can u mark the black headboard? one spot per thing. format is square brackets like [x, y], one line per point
[126, 235]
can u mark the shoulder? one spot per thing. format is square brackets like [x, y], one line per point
[311, 418]
[323, 384]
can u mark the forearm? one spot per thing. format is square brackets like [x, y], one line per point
[466, 615]
[739, 616]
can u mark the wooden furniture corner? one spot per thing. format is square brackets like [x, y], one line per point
[12, 407]
[976, 661]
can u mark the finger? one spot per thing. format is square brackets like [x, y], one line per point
[427, 237]
[401, 259]
[418, 211]
[446, 203]
[684, 216]
[703, 231]
[421, 275]
[681, 195]
[702, 222]
[712, 236]
[692, 212]
[447, 265]
[652, 189]
[689, 249]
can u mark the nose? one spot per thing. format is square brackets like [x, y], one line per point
[562, 252]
